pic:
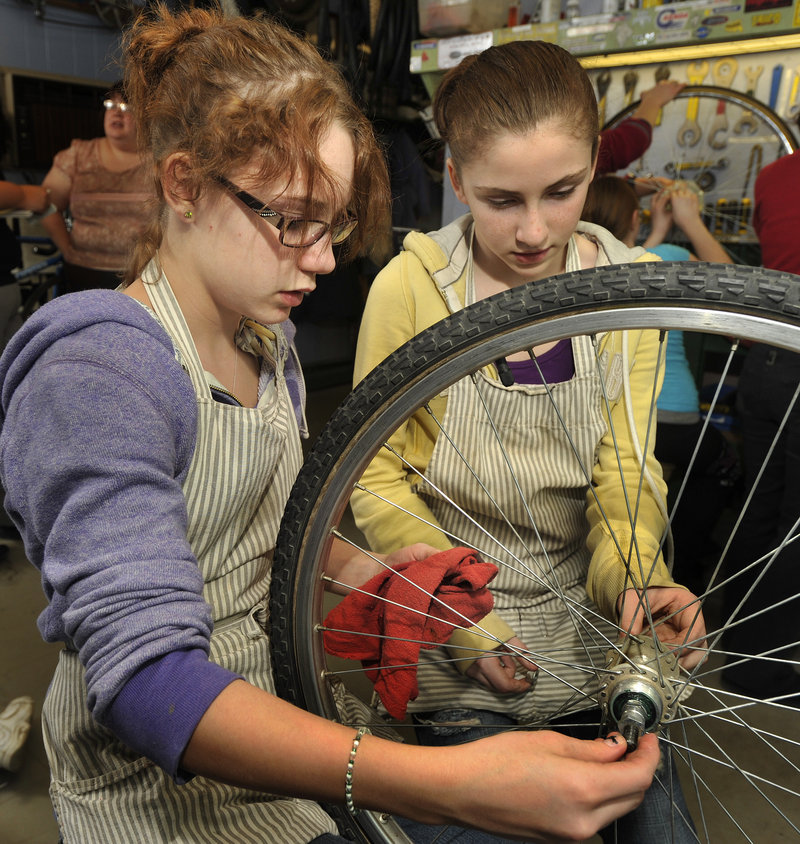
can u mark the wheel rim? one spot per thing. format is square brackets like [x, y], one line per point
[706, 305]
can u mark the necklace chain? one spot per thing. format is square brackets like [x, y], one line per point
[235, 364]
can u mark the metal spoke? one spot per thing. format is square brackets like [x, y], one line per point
[714, 736]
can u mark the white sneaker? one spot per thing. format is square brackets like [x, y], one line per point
[15, 724]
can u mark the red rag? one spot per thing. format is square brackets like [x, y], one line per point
[392, 617]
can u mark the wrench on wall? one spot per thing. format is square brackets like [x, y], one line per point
[794, 103]
[662, 74]
[723, 73]
[747, 121]
[603, 81]
[775, 87]
[629, 81]
[689, 134]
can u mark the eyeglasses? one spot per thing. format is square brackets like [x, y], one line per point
[294, 233]
[109, 104]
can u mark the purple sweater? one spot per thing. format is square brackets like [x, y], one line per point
[98, 429]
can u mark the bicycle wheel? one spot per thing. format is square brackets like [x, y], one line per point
[732, 750]
[718, 140]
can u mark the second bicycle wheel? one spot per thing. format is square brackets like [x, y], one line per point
[732, 752]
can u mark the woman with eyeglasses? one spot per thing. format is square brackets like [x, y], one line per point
[150, 438]
[103, 187]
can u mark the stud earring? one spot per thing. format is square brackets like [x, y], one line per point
[187, 214]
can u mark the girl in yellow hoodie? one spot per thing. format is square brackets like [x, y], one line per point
[521, 124]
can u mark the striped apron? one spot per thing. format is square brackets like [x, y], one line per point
[541, 551]
[242, 469]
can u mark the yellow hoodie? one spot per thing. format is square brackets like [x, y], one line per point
[421, 286]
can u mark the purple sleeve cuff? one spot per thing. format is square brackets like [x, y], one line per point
[157, 710]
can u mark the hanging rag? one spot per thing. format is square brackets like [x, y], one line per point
[401, 610]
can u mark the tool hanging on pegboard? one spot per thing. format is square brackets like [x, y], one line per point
[690, 132]
[603, 81]
[723, 73]
[748, 123]
[629, 81]
[775, 87]
[793, 108]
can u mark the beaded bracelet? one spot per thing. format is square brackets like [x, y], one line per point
[348, 777]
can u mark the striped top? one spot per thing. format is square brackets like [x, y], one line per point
[187, 529]
[520, 488]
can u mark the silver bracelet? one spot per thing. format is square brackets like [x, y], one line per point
[348, 777]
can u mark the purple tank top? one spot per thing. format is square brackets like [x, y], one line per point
[556, 364]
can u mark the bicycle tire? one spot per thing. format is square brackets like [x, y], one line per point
[771, 118]
[754, 303]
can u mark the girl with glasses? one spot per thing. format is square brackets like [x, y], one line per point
[167, 420]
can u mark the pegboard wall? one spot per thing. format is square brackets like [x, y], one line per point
[772, 77]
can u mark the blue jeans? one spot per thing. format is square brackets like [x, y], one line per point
[652, 822]
[421, 833]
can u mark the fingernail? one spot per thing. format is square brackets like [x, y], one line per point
[612, 739]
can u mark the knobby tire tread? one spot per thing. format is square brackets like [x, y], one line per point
[735, 288]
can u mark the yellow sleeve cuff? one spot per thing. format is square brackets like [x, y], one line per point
[465, 645]
[609, 578]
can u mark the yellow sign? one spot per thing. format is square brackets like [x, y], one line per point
[767, 19]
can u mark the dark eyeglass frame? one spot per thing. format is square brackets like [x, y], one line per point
[108, 104]
[339, 231]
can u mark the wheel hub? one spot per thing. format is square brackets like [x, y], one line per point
[642, 688]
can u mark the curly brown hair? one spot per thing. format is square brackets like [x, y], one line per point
[226, 91]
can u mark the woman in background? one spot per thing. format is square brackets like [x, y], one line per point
[102, 184]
